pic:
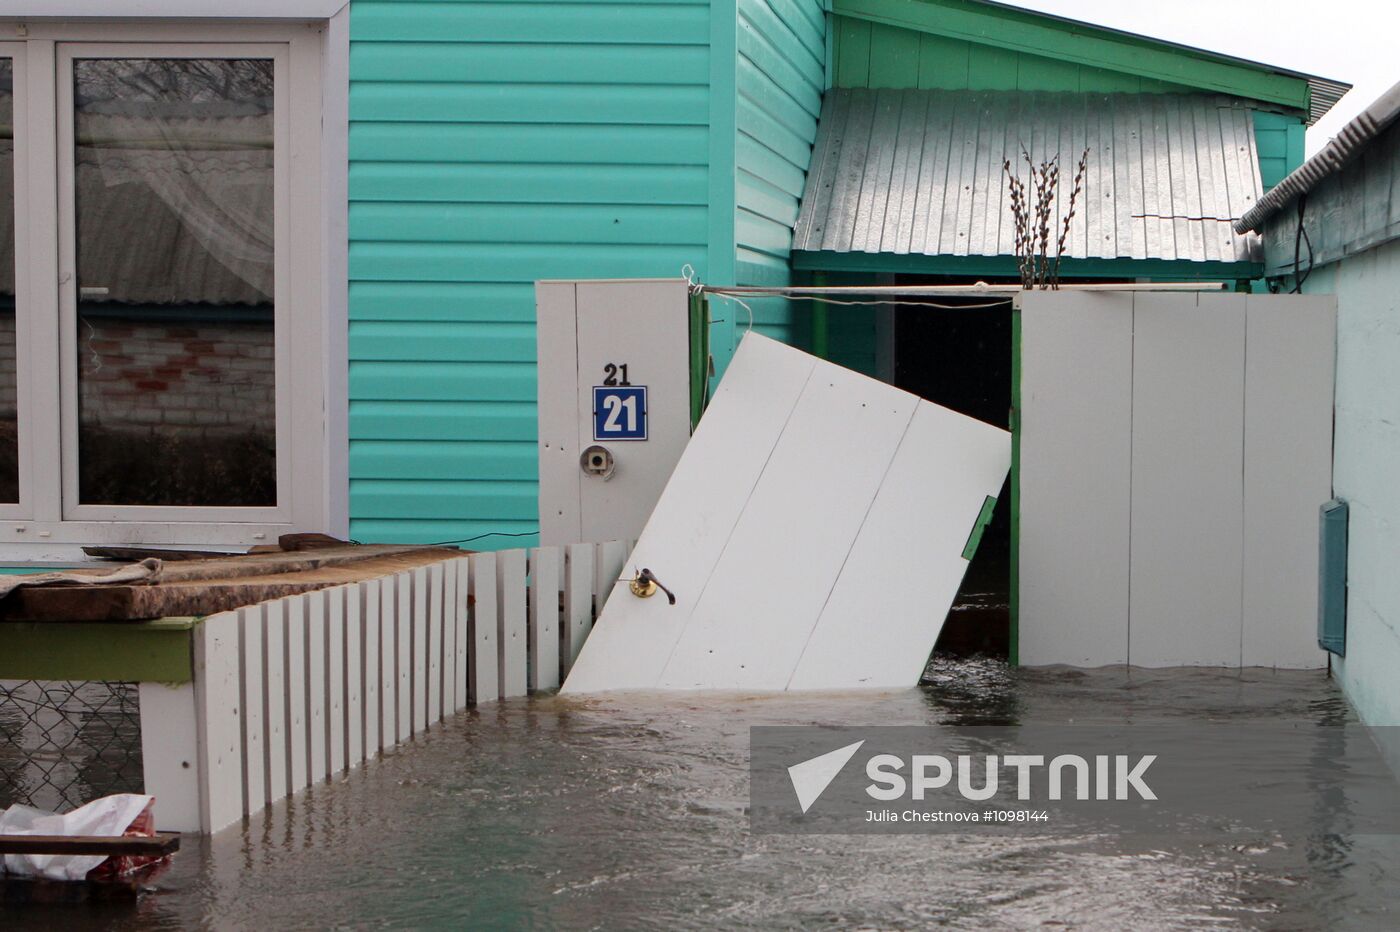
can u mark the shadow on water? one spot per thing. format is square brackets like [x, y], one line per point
[630, 811]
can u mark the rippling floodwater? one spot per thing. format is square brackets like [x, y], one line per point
[629, 811]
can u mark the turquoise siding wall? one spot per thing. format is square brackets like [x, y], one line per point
[779, 78]
[1279, 138]
[867, 54]
[1366, 460]
[492, 144]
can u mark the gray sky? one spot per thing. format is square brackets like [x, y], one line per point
[1350, 40]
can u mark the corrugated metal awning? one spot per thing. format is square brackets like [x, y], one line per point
[910, 172]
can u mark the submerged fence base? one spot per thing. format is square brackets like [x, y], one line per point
[290, 693]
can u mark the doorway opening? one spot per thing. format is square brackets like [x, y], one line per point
[961, 358]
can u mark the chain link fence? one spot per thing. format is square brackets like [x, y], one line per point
[63, 743]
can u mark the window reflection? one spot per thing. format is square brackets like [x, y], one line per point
[175, 337]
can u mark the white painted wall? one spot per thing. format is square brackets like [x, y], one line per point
[1174, 452]
[1366, 472]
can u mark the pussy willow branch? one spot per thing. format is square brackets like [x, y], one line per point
[1032, 210]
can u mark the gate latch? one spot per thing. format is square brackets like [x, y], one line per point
[644, 586]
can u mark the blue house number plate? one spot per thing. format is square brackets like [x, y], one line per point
[619, 412]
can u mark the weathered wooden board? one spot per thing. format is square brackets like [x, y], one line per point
[157, 845]
[204, 594]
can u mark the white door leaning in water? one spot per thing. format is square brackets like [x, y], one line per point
[813, 534]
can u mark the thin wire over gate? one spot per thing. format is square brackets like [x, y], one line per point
[65, 743]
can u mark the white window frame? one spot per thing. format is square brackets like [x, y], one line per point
[311, 81]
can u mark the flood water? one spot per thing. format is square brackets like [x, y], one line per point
[630, 811]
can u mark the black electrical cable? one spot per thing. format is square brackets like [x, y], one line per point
[468, 540]
[1300, 236]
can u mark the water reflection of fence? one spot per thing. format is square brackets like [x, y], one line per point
[290, 693]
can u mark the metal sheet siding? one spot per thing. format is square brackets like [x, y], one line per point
[1166, 173]
[493, 144]
[779, 78]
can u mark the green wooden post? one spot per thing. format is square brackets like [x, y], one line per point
[820, 326]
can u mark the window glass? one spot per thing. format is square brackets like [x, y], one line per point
[9, 383]
[173, 173]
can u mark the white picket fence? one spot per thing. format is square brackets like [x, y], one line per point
[290, 693]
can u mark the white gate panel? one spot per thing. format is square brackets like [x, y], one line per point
[1290, 351]
[1076, 448]
[761, 526]
[731, 451]
[630, 340]
[758, 610]
[877, 629]
[1188, 481]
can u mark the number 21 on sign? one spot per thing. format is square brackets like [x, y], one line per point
[619, 412]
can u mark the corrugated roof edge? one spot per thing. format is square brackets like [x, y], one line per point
[1353, 138]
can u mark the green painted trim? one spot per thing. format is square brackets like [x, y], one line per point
[699, 356]
[131, 651]
[979, 527]
[1014, 654]
[1005, 266]
[1027, 32]
[721, 262]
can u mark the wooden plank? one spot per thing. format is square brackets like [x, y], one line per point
[484, 684]
[294, 684]
[354, 676]
[158, 845]
[335, 680]
[544, 618]
[163, 554]
[170, 753]
[578, 601]
[511, 635]
[1076, 468]
[906, 565]
[373, 711]
[317, 758]
[198, 596]
[270, 564]
[250, 697]
[275, 699]
[1290, 343]
[608, 566]
[421, 649]
[449, 639]
[220, 749]
[403, 657]
[388, 662]
[435, 643]
[631, 653]
[465, 652]
[1187, 491]
[784, 552]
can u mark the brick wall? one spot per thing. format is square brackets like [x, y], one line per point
[201, 379]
